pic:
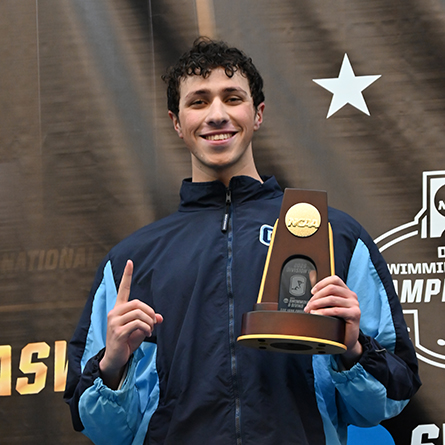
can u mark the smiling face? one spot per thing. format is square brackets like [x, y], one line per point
[216, 120]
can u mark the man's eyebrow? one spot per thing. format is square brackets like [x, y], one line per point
[197, 93]
[235, 90]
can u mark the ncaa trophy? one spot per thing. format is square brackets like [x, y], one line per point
[300, 254]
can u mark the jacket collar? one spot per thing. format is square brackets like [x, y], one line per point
[211, 195]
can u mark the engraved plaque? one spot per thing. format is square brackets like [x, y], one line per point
[298, 277]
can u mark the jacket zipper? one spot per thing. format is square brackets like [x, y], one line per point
[225, 221]
[227, 228]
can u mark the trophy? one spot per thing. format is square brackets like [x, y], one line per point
[300, 254]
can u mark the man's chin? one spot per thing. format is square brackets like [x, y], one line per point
[219, 163]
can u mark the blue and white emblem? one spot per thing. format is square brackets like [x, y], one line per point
[265, 234]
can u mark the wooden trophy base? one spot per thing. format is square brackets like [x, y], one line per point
[293, 332]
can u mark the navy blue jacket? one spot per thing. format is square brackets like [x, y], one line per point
[191, 383]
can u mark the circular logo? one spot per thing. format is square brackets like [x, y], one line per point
[439, 200]
[303, 220]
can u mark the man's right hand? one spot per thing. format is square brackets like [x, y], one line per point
[128, 323]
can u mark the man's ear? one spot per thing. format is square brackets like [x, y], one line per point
[259, 116]
[176, 123]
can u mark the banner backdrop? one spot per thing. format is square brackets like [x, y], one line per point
[355, 104]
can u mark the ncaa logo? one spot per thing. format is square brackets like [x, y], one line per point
[415, 253]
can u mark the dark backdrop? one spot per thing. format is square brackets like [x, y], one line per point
[88, 155]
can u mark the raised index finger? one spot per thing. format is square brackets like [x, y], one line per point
[124, 288]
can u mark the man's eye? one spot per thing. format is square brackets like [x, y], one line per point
[234, 99]
[197, 102]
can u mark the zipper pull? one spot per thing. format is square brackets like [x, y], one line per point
[225, 222]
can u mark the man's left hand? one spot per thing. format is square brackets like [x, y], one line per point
[331, 297]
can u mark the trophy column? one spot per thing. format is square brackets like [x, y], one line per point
[300, 254]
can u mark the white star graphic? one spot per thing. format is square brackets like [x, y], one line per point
[347, 88]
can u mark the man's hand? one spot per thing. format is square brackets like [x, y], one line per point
[331, 297]
[128, 323]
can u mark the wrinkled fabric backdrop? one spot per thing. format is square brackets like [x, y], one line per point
[88, 155]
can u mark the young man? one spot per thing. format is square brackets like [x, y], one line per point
[154, 359]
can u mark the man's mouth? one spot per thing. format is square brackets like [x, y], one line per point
[218, 137]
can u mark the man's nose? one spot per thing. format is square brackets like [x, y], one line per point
[217, 114]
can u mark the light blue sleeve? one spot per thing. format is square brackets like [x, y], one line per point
[376, 318]
[357, 385]
[363, 399]
[355, 396]
[117, 417]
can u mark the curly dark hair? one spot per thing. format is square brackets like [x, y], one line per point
[201, 59]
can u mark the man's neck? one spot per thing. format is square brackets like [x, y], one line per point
[202, 173]
[224, 177]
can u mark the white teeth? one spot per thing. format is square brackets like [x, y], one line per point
[218, 137]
